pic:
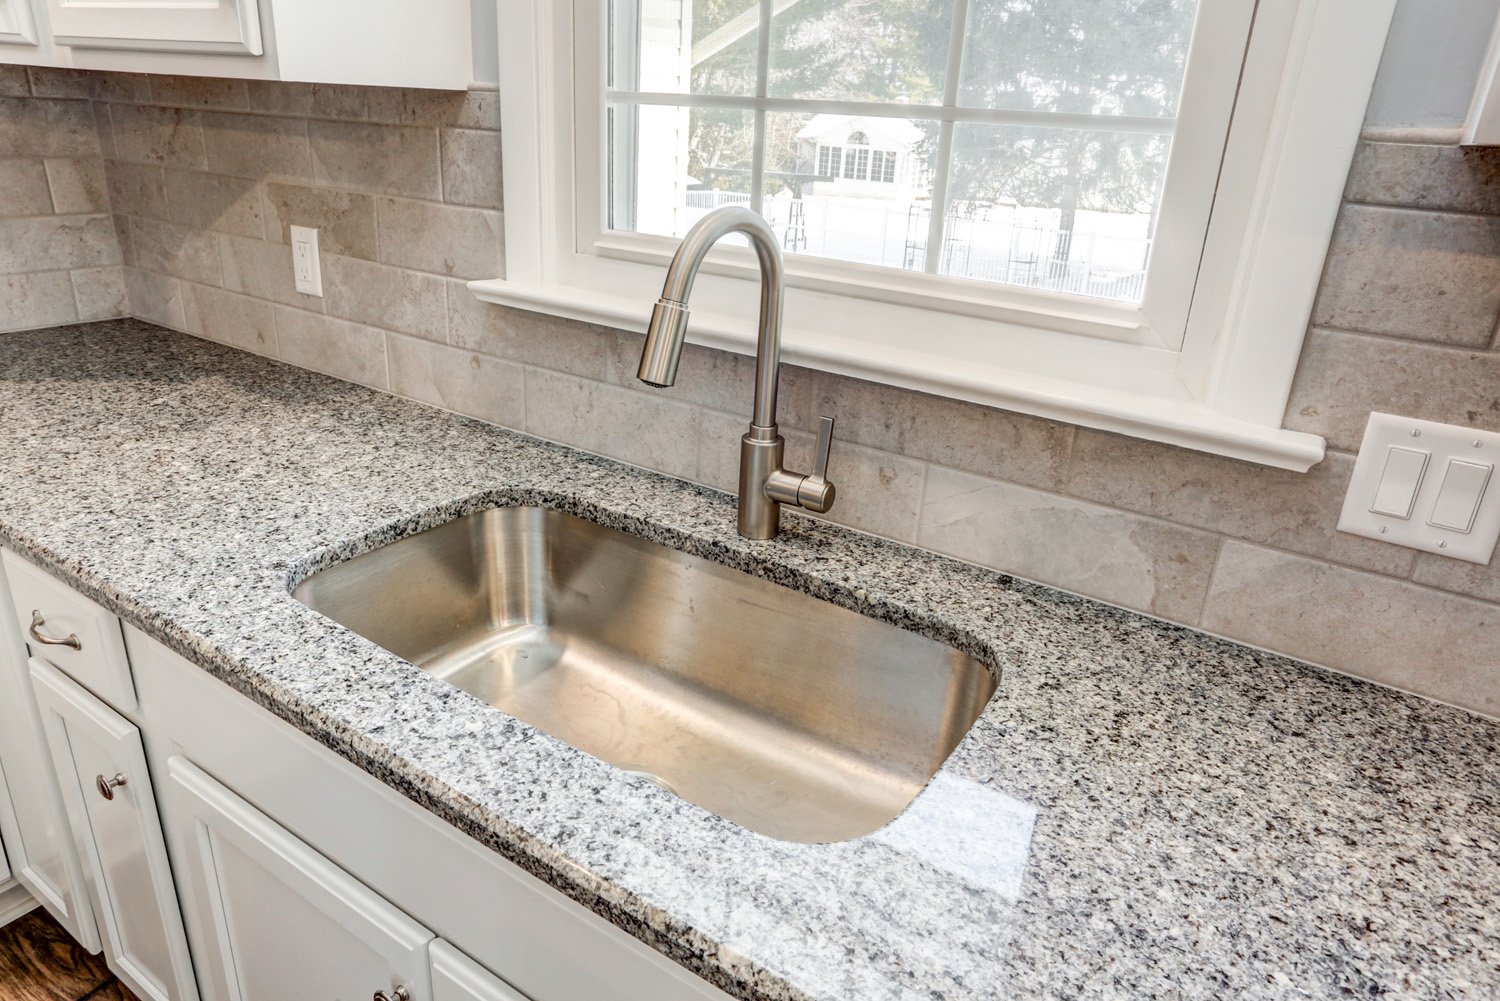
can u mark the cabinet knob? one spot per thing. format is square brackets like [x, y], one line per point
[107, 787]
[399, 994]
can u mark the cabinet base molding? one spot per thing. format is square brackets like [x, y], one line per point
[15, 902]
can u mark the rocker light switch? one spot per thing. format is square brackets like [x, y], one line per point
[1458, 498]
[1426, 486]
[1400, 481]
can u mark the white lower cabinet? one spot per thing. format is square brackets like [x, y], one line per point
[37, 840]
[456, 977]
[101, 768]
[284, 921]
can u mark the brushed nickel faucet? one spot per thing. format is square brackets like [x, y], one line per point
[764, 485]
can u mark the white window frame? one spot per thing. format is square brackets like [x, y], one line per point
[1217, 382]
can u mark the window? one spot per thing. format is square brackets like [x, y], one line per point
[1111, 212]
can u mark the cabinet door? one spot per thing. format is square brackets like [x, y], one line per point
[101, 767]
[224, 26]
[284, 921]
[40, 847]
[456, 977]
[17, 25]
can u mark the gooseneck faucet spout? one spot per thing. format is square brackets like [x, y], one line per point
[764, 484]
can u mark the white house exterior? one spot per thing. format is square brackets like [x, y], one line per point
[862, 157]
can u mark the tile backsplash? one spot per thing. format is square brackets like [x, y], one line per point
[59, 256]
[205, 176]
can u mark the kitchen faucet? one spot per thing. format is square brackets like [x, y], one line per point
[764, 485]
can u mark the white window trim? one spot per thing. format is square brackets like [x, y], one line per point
[1307, 77]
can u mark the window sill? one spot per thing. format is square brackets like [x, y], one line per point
[1164, 411]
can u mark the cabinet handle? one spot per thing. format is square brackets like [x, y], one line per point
[107, 787]
[37, 622]
[399, 994]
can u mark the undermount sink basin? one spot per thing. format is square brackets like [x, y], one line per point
[783, 713]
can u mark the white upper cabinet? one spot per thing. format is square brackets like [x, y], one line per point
[392, 43]
[229, 26]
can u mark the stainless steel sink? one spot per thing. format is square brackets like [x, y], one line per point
[785, 714]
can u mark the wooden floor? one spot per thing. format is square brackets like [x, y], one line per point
[39, 962]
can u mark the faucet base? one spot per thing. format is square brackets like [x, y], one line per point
[760, 516]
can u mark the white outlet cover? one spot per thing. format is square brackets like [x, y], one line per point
[307, 267]
[1444, 443]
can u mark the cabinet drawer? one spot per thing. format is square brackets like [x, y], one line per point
[456, 977]
[73, 634]
[101, 766]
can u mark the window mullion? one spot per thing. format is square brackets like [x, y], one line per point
[937, 224]
[762, 87]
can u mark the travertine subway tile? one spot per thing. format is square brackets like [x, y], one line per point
[338, 348]
[230, 318]
[441, 239]
[539, 339]
[214, 202]
[1456, 178]
[1097, 551]
[408, 302]
[78, 185]
[170, 136]
[462, 381]
[612, 421]
[100, 293]
[345, 220]
[57, 242]
[23, 187]
[471, 168]
[258, 146]
[1425, 275]
[36, 300]
[1343, 377]
[1360, 623]
[386, 159]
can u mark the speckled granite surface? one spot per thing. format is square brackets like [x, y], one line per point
[1141, 811]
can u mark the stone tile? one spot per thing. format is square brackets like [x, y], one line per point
[609, 420]
[137, 189]
[14, 82]
[257, 146]
[56, 81]
[471, 168]
[878, 492]
[78, 185]
[461, 381]
[966, 436]
[407, 302]
[23, 188]
[475, 109]
[441, 239]
[1117, 557]
[1276, 507]
[170, 136]
[345, 220]
[539, 339]
[338, 348]
[58, 242]
[1476, 581]
[307, 100]
[121, 225]
[100, 293]
[155, 298]
[214, 201]
[37, 127]
[1359, 623]
[386, 159]
[200, 92]
[1424, 275]
[134, 88]
[192, 255]
[264, 270]
[1417, 176]
[1343, 377]
[230, 318]
[104, 129]
[36, 300]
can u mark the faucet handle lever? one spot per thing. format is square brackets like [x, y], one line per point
[825, 445]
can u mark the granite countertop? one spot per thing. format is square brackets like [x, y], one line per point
[1141, 811]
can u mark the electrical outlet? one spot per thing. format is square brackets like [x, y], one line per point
[1426, 486]
[307, 269]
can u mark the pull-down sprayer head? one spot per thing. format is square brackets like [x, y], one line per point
[664, 339]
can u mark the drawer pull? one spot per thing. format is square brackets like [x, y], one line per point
[37, 622]
[107, 787]
[399, 994]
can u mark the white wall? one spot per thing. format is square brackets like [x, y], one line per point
[1431, 63]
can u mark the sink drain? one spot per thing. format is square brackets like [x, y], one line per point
[654, 779]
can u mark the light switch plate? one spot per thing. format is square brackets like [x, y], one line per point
[307, 269]
[1444, 444]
